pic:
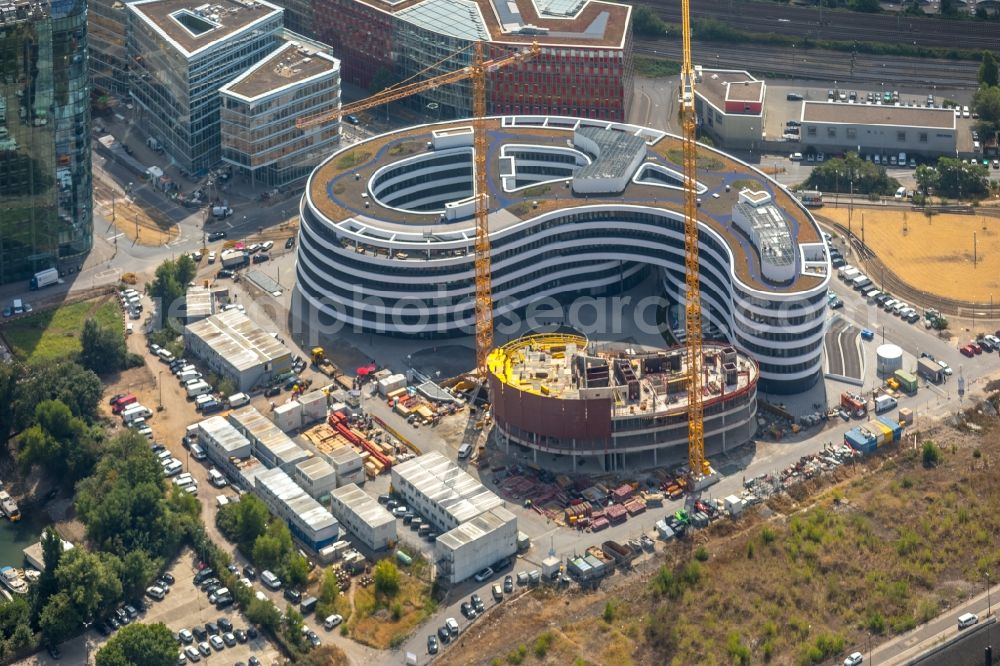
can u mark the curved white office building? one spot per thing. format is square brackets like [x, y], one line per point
[576, 206]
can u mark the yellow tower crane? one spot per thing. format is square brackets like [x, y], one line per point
[477, 72]
[697, 463]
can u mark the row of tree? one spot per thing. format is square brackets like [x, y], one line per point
[265, 540]
[953, 178]
[986, 101]
[851, 174]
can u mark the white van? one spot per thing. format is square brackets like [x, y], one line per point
[165, 356]
[183, 479]
[187, 375]
[198, 388]
[238, 400]
[464, 451]
[901, 193]
[270, 580]
[216, 478]
[173, 468]
[146, 432]
[197, 452]
[332, 622]
[967, 620]
[132, 412]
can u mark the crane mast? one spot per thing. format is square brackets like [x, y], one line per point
[697, 463]
[484, 275]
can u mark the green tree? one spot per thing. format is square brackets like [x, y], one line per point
[386, 578]
[264, 614]
[986, 103]
[47, 585]
[838, 175]
[291, 627]
[15, 624]
[927, 178]
[961, 180]
[10, 375]
[102, 349]
[66, 381]
[329, 590]
[296, 571]
[137, 569]
[123, 503]
[135, 644]
[948, 8]
[90, 581]
[267, 552]
[646, 23]
[251, 520]
[167, 289]
[62, 444]
[988, 74]
[185, 270]
[59, 619]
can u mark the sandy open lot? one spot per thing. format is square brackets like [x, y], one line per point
[935, 254]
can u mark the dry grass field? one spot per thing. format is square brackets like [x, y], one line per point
[933, 254]
[878, 548]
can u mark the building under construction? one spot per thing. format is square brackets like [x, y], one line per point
[615, 406]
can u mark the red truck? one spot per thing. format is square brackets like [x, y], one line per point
[122, 402]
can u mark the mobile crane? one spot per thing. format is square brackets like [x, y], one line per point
[477, 72]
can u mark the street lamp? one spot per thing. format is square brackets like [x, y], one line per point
[989, 606]
[159, 382]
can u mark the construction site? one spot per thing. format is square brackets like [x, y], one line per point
[597, 406]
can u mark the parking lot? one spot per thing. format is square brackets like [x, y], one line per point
[184, 607]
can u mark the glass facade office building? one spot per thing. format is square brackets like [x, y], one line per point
[181, 53]
[45, 180]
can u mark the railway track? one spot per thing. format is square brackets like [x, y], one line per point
[843, 25]
[894, 71]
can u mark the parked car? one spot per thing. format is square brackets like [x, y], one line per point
[260, 258]
[432, 644]
[216, 235]
[484, 575]
[290, 243]
[967, 351]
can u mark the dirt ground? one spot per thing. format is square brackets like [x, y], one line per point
[936, 254]
[128, 217]
[882, 547]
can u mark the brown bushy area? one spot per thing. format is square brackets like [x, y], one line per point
[880, 547]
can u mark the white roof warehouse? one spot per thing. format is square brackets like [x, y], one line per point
[233, 346]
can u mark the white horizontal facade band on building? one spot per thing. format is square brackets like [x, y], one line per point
[576, 206]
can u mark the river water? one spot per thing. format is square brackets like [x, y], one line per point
[15, 537]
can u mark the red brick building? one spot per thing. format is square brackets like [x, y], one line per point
[585, 67]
